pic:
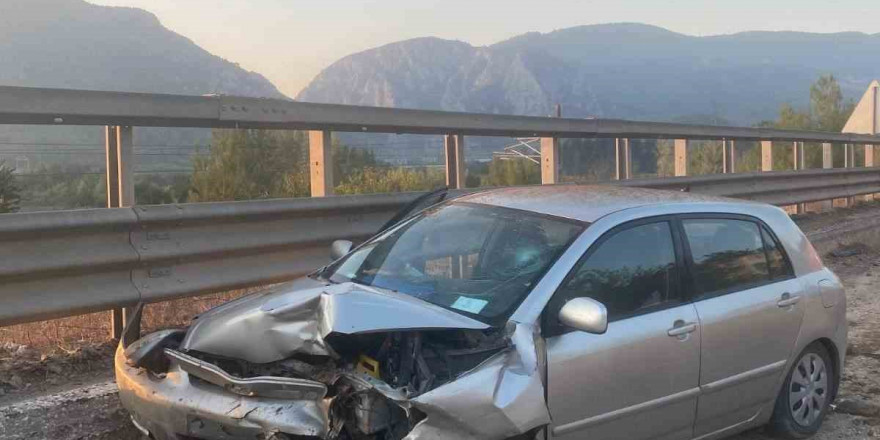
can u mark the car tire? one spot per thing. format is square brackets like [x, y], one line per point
[805, 396]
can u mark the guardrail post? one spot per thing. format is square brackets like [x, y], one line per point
[549, 161]
[728, 156]
[827, 162]
[455, 162]
[849, 151]
[681, 157]
[766, 156]
[119, 151]
[112, 166]
[869, 163]
[622, 159]
[798, 162]
[321, 163]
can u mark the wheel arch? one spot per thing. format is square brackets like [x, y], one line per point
[837, 364]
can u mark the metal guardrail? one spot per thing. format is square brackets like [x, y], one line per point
[21, 105]
[56, 264]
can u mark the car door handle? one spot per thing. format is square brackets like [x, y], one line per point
[788, 300]
[682, 329]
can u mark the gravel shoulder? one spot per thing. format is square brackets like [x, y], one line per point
[71, 395]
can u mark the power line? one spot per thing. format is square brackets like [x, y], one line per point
[95, 173]
[69, 144]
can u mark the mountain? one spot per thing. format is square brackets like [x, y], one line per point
[78, 45]
[74, 44]
[631, 71]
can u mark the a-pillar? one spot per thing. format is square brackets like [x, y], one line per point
[622, 159]
[321, 163]
[455, 162]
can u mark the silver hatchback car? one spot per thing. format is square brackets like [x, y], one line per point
[574, 312]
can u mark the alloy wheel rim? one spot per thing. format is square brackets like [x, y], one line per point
[808, 390]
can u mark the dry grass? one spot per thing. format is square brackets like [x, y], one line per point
[68, 334]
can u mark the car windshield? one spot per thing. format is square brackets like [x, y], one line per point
[474, 259]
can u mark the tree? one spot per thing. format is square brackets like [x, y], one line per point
[161, 189]
[827, 108]
[252, 164]
[827, 112]
[58, 186]
[9, 191]
[256, 164]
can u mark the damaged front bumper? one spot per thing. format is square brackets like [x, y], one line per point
[188, 384]
[177, 404]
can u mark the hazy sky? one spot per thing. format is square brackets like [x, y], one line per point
[290, 41]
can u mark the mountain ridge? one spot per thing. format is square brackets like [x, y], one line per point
[618, 70]
[79, 45]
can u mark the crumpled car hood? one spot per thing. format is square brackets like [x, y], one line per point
[295, 317]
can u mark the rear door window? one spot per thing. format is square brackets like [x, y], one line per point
[727, 254]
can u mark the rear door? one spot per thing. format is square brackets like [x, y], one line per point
[750, 310]
[639, 379]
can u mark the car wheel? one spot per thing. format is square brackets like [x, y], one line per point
[806, 395]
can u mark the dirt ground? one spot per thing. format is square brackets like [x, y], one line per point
[64, 390]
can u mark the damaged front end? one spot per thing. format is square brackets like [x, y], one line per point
[344, 361]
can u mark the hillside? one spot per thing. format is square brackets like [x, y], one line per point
[629, 71]
[74, 44]
[78, 45]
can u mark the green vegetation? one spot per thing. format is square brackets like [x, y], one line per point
[252, 164]
[9, 191]
[59, 186]
[385, 180]
[827, 112]
[507, 172]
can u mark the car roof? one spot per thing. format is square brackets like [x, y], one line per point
[587, 203]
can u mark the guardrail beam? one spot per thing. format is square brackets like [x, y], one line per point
[65, 263]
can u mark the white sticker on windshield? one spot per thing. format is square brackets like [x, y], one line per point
[470, 305]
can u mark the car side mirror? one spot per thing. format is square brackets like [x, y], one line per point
[585, 314]
[339, 249]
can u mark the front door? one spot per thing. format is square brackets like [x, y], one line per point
[639, 380]
[748, 301]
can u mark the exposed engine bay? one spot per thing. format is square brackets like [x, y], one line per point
[411, 363]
